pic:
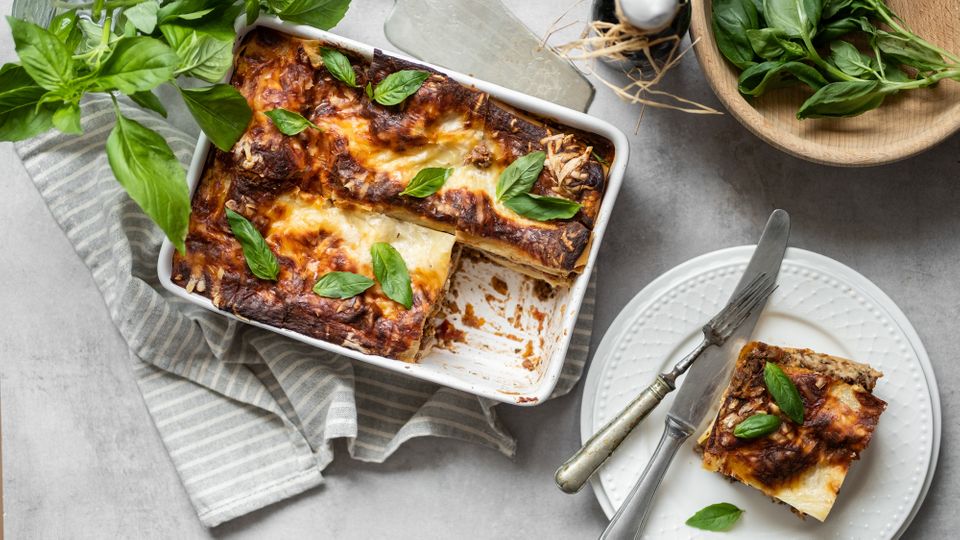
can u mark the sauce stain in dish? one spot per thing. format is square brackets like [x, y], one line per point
[470, 317]
[448, 334]
[499, 285]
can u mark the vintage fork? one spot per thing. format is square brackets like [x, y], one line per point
[574, 473]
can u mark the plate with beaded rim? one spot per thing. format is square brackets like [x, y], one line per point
[820, 304]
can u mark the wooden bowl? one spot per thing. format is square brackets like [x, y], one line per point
[905, 125]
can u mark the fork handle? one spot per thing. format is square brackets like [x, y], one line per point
[574, 473]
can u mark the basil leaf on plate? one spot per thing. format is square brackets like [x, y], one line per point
[289, 122]
[201, 54]
[136, 64]
[907, 52]
[520, 175]
[20, 116]
[67, 119]
[220, 110]
[143, 16]
[149, 100]
[796, 18]
[730, 19]
[847, 98]
[339, 66]
[784, 392]
[756, 79]
[427, 182]
[757, 425]
[391, 272]
[260, 260]
[771, 44]
[849, 59]
[322, 14]
[542, 208]
[398, 86]
[342, 285]
[252, 10]
[716, 517]
[145, 166]
[45, 57]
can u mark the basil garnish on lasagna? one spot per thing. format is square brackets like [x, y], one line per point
[800, 464]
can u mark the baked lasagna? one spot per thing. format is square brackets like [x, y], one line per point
[322, 196]
[802, 465]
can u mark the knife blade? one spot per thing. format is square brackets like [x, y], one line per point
[701, 386]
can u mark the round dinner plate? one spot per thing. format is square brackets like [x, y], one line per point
[820, 304]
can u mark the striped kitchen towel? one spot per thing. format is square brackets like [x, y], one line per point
[247, 416]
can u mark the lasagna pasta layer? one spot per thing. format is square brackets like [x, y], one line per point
[803, 466]
[364, 153]
[310, 238]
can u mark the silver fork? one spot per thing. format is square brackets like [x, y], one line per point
[574, 473]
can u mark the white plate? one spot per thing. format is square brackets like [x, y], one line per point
[488, 364]
[820, 304]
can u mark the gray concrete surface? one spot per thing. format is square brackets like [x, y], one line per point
[81, 458]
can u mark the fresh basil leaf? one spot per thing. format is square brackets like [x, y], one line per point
[843, 99]
[716, 517]
[339, 66]
[92, 37]
[136, 64]
[145, 166]
[731, 18]
[784, 392]
[252, 10]
[21, 115]
[757, 425]
[771, 45]
[64, 28]
[796, 18]
[149, 100]
[398, 86]
[260, 260]
[67, 119]
[542, 208]
[427, 182]
[45, 57]
[221, 111]
[368, 89]
[907, 52]
[201, 55]
[849, 59]
[391, 271]
[520, 175]
[322, 14]
[186, 10]
[143, 16]
[342, 285]
[757, 79]
[289, 122]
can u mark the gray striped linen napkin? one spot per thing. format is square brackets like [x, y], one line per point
[247, 416]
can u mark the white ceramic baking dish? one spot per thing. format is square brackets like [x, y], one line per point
[491, 362]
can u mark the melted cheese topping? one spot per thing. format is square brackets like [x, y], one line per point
[352, 233]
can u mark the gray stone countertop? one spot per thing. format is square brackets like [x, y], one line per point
[81, 457]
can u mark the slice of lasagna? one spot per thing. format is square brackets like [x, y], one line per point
[310, 238]
[800, 465]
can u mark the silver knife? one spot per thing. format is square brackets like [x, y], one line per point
[700, 389]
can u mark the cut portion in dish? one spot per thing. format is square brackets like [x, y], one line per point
[364, 153]
[800, 465]
[310, 237]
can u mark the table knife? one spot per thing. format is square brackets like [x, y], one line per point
[701, 387]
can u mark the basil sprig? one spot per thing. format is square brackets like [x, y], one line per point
[427, 182]
[289, 122]
[515, 183]
[757, 425]
[131, 47]
[397, 86]
[339, 66]
[718, 517]
[260, 260]
[781, 42]
[391, 272]
[342, 285]
[784, 392]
